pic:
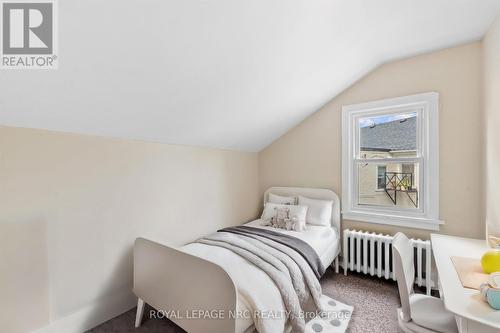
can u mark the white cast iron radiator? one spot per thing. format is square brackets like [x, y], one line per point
[371, 253]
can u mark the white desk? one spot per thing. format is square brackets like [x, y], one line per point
[472, 313]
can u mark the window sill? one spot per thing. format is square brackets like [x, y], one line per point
[400, 221]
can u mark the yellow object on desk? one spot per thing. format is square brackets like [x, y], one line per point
[491, 261]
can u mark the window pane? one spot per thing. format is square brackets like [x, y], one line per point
[388, 136]
[381, 169]
[391, 185]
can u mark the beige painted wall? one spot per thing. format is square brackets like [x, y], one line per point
[71, 207]
[310, 154]
[491, 88]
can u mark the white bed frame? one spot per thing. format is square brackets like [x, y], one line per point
[174, 281]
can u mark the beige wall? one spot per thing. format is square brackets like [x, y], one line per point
[71, 207]
[310, 154]
[491, 88]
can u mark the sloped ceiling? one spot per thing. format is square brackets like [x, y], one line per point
[233, 74]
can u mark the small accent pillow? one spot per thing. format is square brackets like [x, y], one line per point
[282, 219]
[298, 214]
[275, 214]
[269, 211]
[278, 199]
[319, 212]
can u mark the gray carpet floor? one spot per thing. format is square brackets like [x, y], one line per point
[374, 300]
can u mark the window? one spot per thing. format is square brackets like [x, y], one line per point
[381, 170]
[390, 170]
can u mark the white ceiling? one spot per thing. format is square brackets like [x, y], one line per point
[233, 74]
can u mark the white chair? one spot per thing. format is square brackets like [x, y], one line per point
[418, 313]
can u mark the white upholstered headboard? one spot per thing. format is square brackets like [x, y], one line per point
[314, 193]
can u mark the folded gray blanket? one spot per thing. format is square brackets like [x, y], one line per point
[304, 249]
[291, 273]
[310, 279]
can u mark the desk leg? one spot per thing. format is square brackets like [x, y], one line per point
[461, 324]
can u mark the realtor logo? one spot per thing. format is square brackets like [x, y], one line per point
[28, 35]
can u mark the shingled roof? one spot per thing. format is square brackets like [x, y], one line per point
[391, 136]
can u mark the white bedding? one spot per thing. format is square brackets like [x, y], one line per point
[256, 291]
[322, 239]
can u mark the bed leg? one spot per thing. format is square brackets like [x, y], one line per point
[337, 264]
[140, 312]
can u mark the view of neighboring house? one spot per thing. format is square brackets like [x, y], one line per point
[382, 183]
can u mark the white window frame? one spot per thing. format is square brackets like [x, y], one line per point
[427, 215]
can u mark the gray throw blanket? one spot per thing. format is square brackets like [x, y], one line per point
[291, 273]
[298, 245]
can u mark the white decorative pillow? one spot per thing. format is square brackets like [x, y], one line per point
[278, 199]
[296, 214]
[269, 211]
[282, 219]
[319, 212]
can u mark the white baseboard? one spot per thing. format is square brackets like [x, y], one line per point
[92, 315]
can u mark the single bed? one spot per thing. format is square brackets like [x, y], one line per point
[202, 278]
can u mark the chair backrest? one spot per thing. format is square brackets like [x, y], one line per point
[404, 270]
